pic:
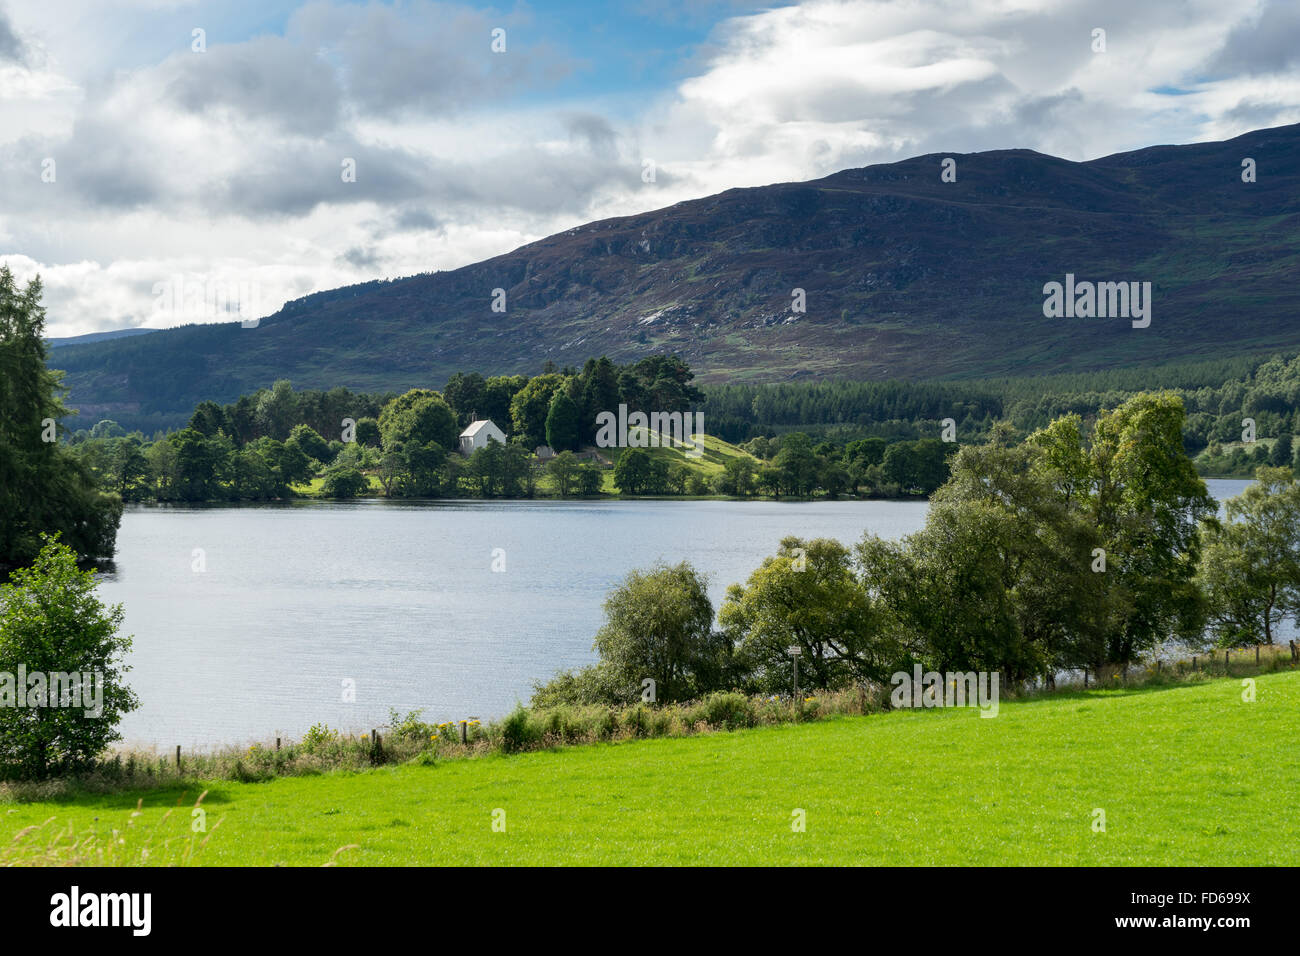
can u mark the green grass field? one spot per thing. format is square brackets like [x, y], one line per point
[1186, 775]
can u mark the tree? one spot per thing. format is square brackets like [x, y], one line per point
[487, 467]
[368, 433]
[901, 466]
[634, 471]
[590, 479]
[129, 469]
[564, 470]
[737, 477]
[1004, 528]
[53, 625]
[659, 625]
[530, 406]
[868, 451]
[344, 481]
[1250, 569]
[420, 416]
[518, 472]
[208, 419]
[807, 596]
[277, 410]
[467, 396]
[1133, 482]
[201, 465]
[1282, 453]
[43, 486]
[306, 438]
[599, 391]
[562, 425]
[797, 464]
[497, 396]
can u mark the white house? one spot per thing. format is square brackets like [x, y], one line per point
[478, 434]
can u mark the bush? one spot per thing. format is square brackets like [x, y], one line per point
[318, 738]
[728, 709]
[519, 732]
[53, 626]
[344, 481]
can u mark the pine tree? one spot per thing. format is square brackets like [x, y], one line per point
[43, 487]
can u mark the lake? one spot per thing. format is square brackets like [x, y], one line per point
[401, 598]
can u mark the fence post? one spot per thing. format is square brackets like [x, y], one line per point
[464, 732]
[1193, 662]
[277, 743]
[1256, 653]
[178, 758]
[1085, 677]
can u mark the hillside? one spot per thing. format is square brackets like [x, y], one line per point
[936, 787]
[906, 277]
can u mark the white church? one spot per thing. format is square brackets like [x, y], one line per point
[478, 434]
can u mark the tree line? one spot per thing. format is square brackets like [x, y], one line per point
[1081, 546]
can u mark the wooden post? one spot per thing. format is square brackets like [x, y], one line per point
[1227, 657]
[1295, 651]
[1193, 662]
[1085, 677]
[1256, 653]
[178, 758]
[277, 743]
[464, 732]
[1158, 663]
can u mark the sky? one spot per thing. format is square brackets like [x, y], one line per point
[160, 157]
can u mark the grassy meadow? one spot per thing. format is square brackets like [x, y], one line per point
[1187, 774]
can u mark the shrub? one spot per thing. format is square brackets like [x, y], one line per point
[52, 623]
[519, 732]
[728, 709]
[318, 738]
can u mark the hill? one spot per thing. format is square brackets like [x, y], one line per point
[938, 787]
[905, 276]
[90, 337]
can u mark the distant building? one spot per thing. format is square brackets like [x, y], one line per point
[544, 452]
[478, 434]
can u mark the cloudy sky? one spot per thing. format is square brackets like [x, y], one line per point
[144, 140]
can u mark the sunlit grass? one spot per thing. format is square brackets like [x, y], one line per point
[1188, 774]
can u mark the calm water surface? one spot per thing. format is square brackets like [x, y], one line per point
[401, 598]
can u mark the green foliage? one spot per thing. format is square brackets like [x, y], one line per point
[344, 481]
[43, 488]
[807, 596]
[418, 417]
[562, 426]
[1250, 571]
[565, 470]
[530, 407]
[658, 627]
[637, 472]
[318, 737]
[311, 444]
[51, 622]
[519, 731]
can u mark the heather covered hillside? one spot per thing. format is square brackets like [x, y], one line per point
[903, 276]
